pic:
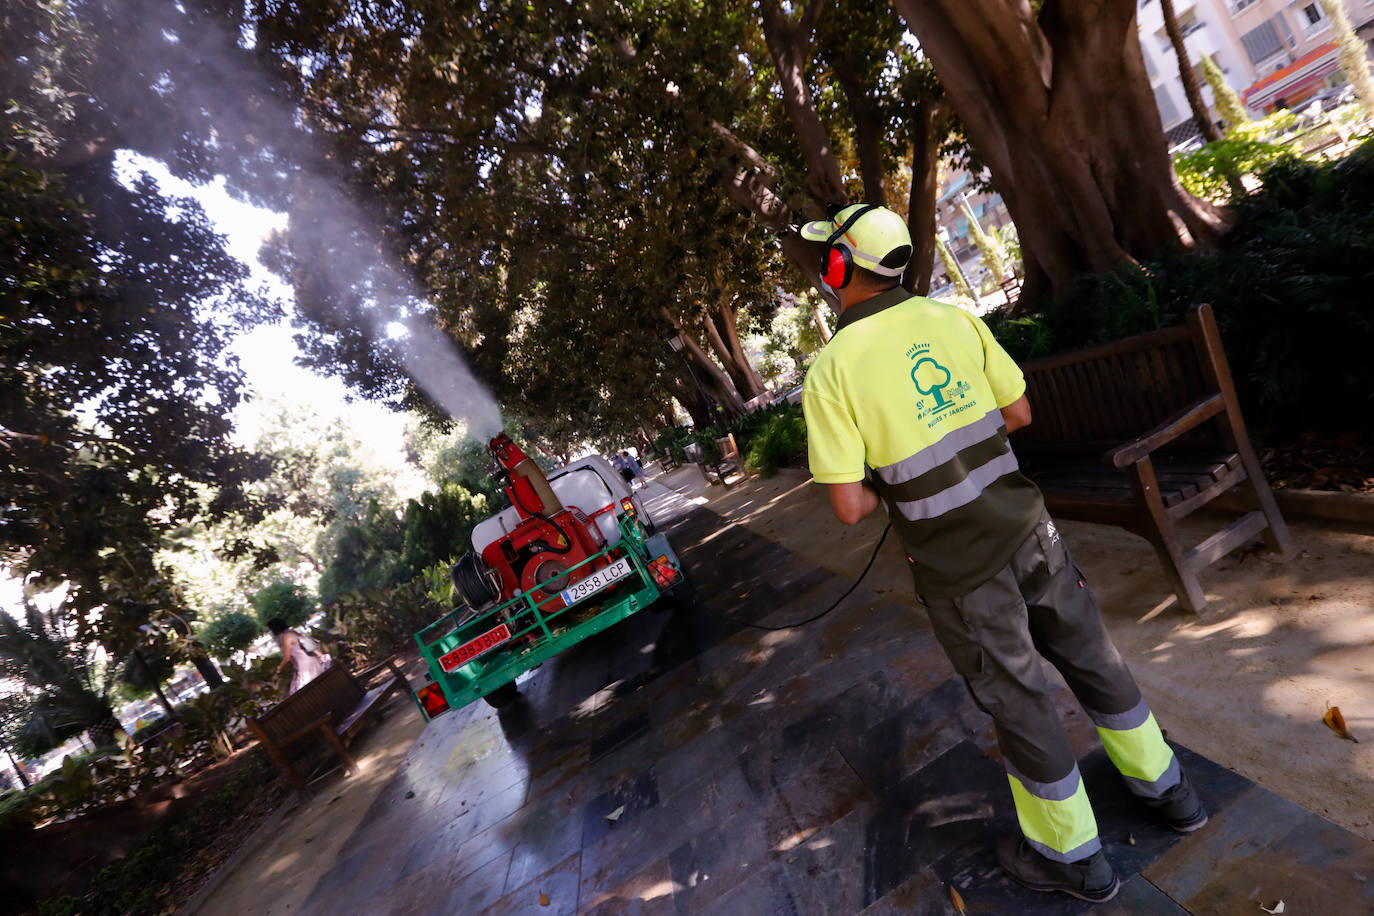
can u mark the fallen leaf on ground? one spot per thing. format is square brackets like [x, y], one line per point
[1336, 721]
[1278, 908]
[543, 899]
[615, 815]
[955, 899]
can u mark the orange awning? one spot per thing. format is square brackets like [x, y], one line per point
[1313, 65]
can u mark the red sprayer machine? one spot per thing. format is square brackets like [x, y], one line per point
[572, 554]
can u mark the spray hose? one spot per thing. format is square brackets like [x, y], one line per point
[793, 626]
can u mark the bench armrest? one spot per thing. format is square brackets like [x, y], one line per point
[362, 677]
[1128, 454]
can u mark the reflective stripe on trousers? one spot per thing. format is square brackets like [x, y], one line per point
[1037, 607]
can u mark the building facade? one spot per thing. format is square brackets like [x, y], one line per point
[958, 197]
[1274, 53]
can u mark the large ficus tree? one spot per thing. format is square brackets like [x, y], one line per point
[564, 178]
[1055, 99]
[118, 301]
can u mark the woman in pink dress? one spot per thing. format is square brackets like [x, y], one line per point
[305, 664]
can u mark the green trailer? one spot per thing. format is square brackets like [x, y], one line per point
[472, 653]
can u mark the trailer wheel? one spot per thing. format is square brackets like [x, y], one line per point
[504, 695]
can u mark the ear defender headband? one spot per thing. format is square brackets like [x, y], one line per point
[837, 264]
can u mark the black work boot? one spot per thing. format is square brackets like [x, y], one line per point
[1090, 879]
[1180, 806]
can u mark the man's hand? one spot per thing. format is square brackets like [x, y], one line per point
[852, 502]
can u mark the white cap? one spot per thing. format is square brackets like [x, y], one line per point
[878, 240]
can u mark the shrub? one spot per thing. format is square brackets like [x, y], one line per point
[439, 525]
[1208, 172]
[230, 633]
[134, 884]
[671, 441]
[780, 443]
[283, 599]
[1290, 285]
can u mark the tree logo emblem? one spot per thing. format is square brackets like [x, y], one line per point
[932, 380]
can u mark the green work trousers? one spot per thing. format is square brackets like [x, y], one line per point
[1038, 608]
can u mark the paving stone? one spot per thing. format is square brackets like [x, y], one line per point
[765, 893]
[837, 768]
[1264, 848]
[558, 885]
[631, 798]
[648, 892]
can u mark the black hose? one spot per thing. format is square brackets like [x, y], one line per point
[793, 626]
[470, 582]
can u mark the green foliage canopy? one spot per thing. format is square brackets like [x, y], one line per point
[283, 599]
[231, 633]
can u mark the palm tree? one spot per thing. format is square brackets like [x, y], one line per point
[1188, 76]
[65, 691]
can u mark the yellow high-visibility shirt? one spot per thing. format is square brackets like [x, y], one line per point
[913, 388]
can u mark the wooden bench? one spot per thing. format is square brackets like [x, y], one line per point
[331, 709]
[1142, 432]
[721, 467]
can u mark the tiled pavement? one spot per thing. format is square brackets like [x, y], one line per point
[839, 768]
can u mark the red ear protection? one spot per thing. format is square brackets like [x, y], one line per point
[837, 265]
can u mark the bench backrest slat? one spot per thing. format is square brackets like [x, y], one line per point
[1112, 392]
[332, 693]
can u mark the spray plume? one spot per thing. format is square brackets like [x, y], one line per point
[360, 309]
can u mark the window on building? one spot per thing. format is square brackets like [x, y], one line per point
[1312, 17]
[1239, 5]
[1262, 41]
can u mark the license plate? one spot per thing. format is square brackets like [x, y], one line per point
[470, 650]
[602, 578]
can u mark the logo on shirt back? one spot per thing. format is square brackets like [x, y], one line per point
[937, 391]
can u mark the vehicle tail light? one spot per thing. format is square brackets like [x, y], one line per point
[628, 505]
[432, 699]
[663, 571]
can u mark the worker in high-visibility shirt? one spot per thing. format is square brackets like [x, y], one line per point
[910, 404]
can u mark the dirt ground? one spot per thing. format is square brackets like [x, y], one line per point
[1247, 684]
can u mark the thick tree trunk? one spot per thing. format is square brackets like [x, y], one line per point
[789, 46]
[1201, 118]
[722, 333]
[1060, 109]
[18, 768]
[868, 133]
[207, 669]
[925, 187]
[706, 374]
[690, 396]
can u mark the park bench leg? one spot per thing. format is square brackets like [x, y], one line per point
[349, 763]
[1260, 496]
[1159, 530]
[1180, 573]
[277, 756]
